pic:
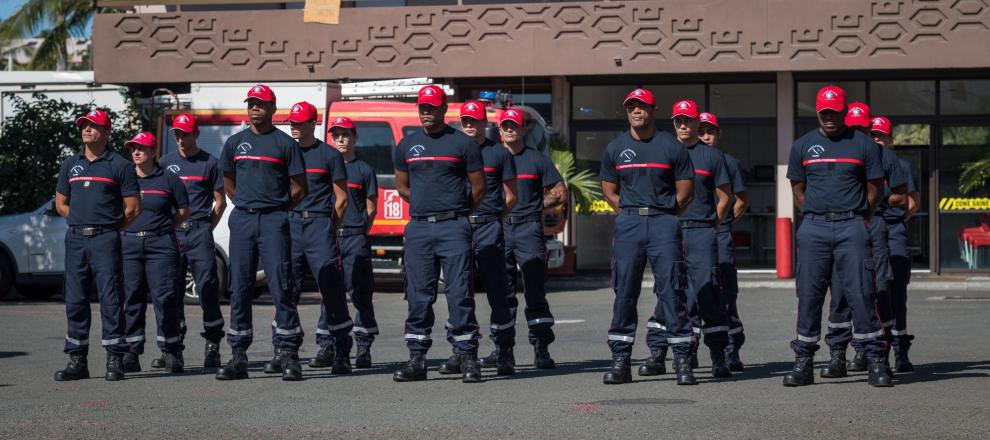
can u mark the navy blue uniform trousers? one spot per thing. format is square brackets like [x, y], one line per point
[429, 247]
[314, 246]
[359, 278]
[93, 261]
[489, 253]
[150, 264]
[657, 239]
[730, 284]
[265, 234]
[197, 255]
[835, 253]
[704, 296]
[526, 249]
[900, 265]
[840, 332]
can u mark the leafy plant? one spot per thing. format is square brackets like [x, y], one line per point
[37, 139]
[581, 182]
[975, 176]
[54, 21]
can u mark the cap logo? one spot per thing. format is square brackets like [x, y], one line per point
[472, 106]
[638, 92]
[428, 91]
[183, 118]
[816, 150]
[511, 113]
[878, 121]
[76, 170]
[297, 108]
[256, 89]
[339, 121]
[856, 111]
[683, 105]
[627, 155]
[173, 168]
[828, 94]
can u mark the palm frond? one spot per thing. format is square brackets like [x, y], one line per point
[580, 181]
[975, 176]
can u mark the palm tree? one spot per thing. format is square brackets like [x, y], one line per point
[54, 21]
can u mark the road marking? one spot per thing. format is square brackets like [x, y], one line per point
[958, 298]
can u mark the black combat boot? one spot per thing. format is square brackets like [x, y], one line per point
[505, 365]
[76, 369]
[274, 366]
[621, 371]
[682, 369]
[114, 371]
[174, 363]
[130, 363]
[211, 357]
[237, 366]
[362, 359]
[803, 372]
[414, 370]
[342, 361]
[471, 371]
[324, 358]
[858, 362]
[732, 357]
[291, 369]
[878, 376]
[836, 365]
[901, 362]
[541, 356]
[490, 361]
[452, 365]
[158, 362]
[655, 364]
[719, 368]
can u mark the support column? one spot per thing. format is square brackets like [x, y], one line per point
[785, 199]
[560, 104]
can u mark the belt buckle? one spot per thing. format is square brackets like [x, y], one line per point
[304, 214]
[431, 219]
[829, 216]
[141, 233]
[185, 225]
[644, 211]
[88, 232]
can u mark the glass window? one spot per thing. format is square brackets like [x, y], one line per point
[964, 220]
[594, 232]
[912, 135]
[743, 100]
[970, 96]
[808, 90]
[902, 97]
[374, 144]
[605, 102]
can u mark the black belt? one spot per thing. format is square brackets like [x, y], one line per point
[152, 233]
[646, 211]
[261, 210]
[833, 216]
[310, 214]
[511, 220]
[482, 219]
[697, 223]
[347, 232]
[191, 224]
[89, 231]
[438, 217]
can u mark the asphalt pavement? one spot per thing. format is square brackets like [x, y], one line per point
[946, 397]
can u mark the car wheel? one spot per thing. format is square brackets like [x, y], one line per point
[6, 276]
[192, 297]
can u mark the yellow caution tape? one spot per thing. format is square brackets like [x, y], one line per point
[964, 204]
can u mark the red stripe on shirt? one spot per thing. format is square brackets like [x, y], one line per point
[261, 158]
[491, 170]
[527, 176]
[196, 178]
[355, 185]
[705, 172]
[94, 179]
[317, 171]
[642, 165]
[154, 191]
[443, 158]
[837, 160]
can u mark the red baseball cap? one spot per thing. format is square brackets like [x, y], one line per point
[343, 122]
[96, 116]
[302, 112]
[685, 107]
[830, 98]
[708, 118]
[858, 114]
[881, 124]
[641, 95]
[261, 92]
[142, 140]
[185, 122]
[432, 95]
[474, 110]
[511, 114]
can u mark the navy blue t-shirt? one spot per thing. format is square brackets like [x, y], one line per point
[896, 213]
[201, 175]
[645, 170]
[738, 182]
[96, 189]
[262, 165]
[893, 177]
[534, 172]
[437, 165]
[324, 165]
[161, 194]
[499, 168]
[709, 173]
[361, 184]
[835, 170]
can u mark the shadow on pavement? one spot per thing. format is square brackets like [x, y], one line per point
[10, 354]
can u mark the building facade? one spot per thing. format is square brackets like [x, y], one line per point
[755, 63]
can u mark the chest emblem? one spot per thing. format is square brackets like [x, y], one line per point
[174, 169]
[816, 150]
[76, 170]
[417, 150]
[244, 147]
[627, 155]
